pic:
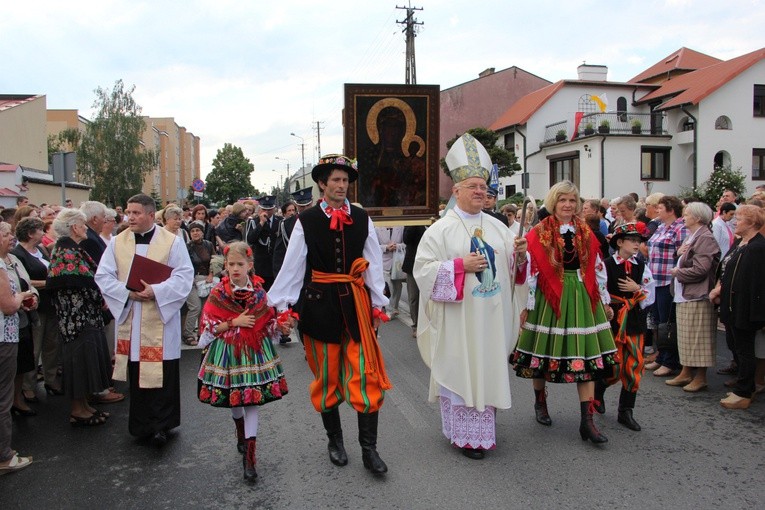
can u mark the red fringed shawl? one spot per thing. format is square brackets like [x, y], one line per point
[545, 244]
[224, 304]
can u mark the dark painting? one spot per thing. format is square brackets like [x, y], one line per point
[392, 130]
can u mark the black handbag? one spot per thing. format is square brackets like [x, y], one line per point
[667, 336]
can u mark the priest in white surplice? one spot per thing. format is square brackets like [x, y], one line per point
[467, 321]
[148, 321]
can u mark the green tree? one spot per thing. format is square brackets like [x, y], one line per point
[111, 154]
[711, 190]
[65, 141]
[229, 179]
[503, 158]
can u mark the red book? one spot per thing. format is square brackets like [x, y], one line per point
[148, 270]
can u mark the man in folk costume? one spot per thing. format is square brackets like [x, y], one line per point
[333, 275]
[464, 269]
[632, 290]
[261, 236]
[148, 321]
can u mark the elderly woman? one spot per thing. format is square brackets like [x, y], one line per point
[200, 252]
[109, 226]
[25, 360]
[200, 214]
[78, 304]
[627, 207]
[740, 292]
[172, 217]
[662, 253]
[29, 232]
[565, 334]
[10, 303]
[696, 318]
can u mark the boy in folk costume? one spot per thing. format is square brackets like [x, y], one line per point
[632, 290]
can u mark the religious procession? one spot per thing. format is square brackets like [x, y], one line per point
[589, 292]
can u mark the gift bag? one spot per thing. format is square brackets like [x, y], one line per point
[396, 271]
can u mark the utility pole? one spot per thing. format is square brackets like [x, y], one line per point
[318, 138]
[411, 32]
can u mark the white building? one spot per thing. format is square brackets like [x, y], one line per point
[695, 112]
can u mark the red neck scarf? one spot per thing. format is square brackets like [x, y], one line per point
[225, 304]
[337, 217]
[546, 248]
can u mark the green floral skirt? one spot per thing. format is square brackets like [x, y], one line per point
[249, 379]
[575, 347]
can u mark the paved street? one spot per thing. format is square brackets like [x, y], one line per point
[690, 454]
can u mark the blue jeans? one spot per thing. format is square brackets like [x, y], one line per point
[664, 311]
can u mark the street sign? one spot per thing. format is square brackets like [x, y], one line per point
[198, 194]
[198, 185]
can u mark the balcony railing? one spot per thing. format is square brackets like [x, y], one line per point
[617, 124]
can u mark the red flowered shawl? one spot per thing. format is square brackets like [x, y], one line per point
[225, 304]
[545, 244]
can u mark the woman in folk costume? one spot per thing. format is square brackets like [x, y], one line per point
[464, 270]
[565, 335]
[632, 290]
[240, 369]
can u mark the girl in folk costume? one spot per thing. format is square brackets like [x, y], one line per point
[632, 290]
[240, 369]
[565, 335]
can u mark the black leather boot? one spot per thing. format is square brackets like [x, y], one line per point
[239, 424]
[331, 420]
[248, 460]
[626, 405]
[368, 442]
[587, 428]
[600, 391]
[540, 407]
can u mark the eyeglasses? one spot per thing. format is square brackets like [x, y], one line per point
[476, 187]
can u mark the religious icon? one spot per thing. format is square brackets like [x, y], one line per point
[488, 287]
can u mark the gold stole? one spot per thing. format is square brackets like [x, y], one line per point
[152, 329]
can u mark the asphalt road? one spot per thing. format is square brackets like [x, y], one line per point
[690, 454]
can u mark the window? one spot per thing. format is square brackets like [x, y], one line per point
[759, 101]
[654, 163]
[758, 164]
[723, 122]
[510, 142]
[621, 108]
[587, 105]
[564, 167]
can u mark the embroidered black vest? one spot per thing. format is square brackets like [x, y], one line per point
[327, 310]
[635, 318]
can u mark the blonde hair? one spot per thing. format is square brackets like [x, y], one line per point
[561, 188]
[752, 213]
[240, 248]
[653, 198]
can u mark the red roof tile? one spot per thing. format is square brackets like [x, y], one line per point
[8, 101]
[692, 88]
[6, 192]
[8, 168]
[526, 106]
[683, 59]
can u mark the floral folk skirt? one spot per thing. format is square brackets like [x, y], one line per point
[248, 379]
[576, 347]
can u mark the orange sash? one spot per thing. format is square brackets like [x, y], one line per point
[374, 363]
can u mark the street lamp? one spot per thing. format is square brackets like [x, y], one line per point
[302, 155]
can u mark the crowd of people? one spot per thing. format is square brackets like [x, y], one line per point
[594, 292]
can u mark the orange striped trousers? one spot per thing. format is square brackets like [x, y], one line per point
[338, 371]
[630, 367]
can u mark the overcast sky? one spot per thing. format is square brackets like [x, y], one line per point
[251, 72]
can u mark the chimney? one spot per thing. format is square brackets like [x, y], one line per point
[486, 72]
[589, 72]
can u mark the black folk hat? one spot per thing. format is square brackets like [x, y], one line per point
[332, 161]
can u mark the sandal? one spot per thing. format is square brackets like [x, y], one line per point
[106, 398]
[89, 421]
[15, 464]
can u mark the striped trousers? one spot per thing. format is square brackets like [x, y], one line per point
[630, 363]
[338, 371]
